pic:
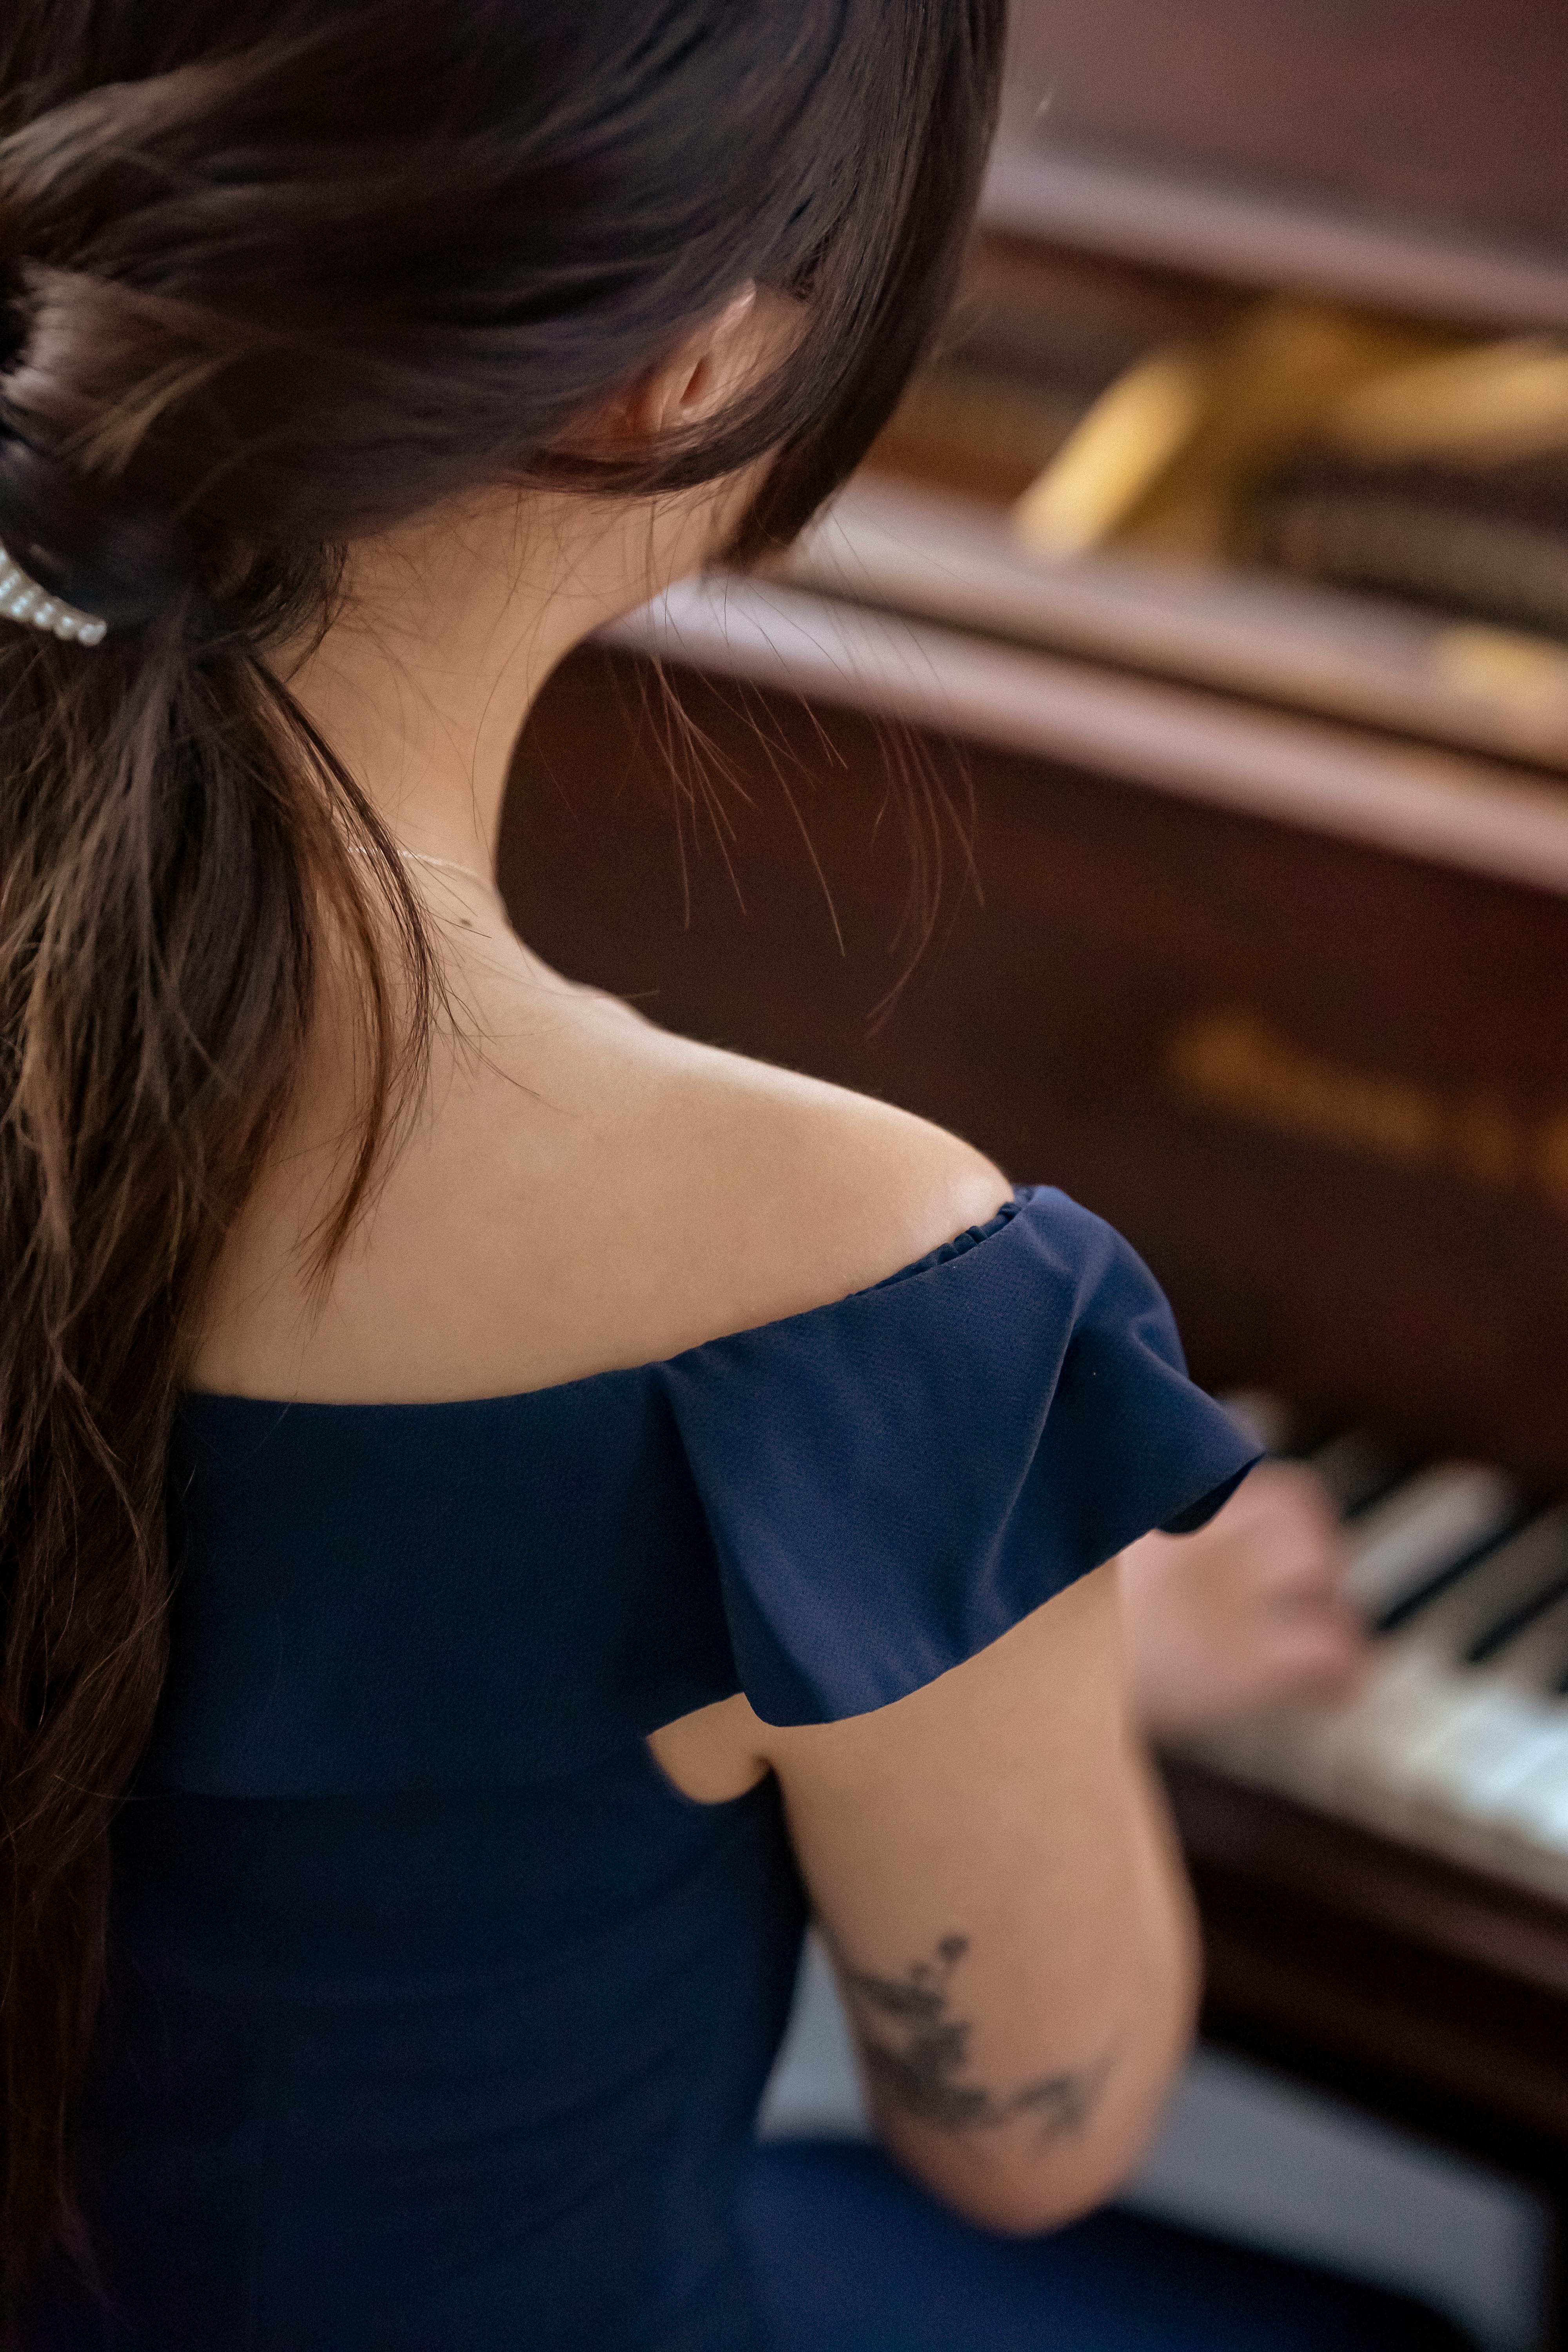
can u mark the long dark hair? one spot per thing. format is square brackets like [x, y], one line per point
[275, 274]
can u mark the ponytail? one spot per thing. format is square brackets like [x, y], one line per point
[171, 835]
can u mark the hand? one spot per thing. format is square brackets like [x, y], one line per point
[1249, 1613]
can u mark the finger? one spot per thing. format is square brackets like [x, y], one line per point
[1320, 1644]
[1292, 1623]
[1319, 1570]
[1289, 1494]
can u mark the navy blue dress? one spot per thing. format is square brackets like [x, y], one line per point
[438, 2016]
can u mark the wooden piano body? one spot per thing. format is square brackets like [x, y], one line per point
[1237, 908]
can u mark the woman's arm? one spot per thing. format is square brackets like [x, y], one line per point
[992, 1865]
[988, 1858]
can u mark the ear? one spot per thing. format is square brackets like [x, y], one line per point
[706, 374]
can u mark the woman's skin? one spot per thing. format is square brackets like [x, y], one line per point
[1251, 1611]
[989, 1857]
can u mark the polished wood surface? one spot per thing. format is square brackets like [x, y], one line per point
[1434, 1996]
[1258, 639]
[1431, 110]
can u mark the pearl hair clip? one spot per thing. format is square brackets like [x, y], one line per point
[22, 599]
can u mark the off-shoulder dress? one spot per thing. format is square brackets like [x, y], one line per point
[438, 2016]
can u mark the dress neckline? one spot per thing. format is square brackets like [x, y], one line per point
[231, 1401]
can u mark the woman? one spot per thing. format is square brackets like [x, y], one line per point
[495, 1496]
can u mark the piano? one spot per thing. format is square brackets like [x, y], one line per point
[1234, 902]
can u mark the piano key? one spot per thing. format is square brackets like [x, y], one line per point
[1409, 1731]
[1530, 1736]
[1536, 1654]
[1357, 1756]
[1469, 1728]
[1536, 1810]
[1457, 1740]
[1430, 1764]
[1474, 1608]
[1409, 1540]
[1430, 1794]
[1424, 1528]
[1533, 1574]
[1425, 1729]
[1358, 1467]
[1491, 1791]
[1314, 1751]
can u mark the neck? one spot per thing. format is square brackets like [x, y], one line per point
[451, 625]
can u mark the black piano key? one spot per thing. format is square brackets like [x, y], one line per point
[1410, 1604]
[1496, 1637]
[1360, 1469]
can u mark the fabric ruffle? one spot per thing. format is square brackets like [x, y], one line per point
[982, 1429]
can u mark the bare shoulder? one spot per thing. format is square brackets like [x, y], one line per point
[591, 1191]
[818, 1190]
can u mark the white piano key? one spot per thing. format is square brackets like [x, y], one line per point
[1401, 1793]
[1484, 1783]
[1537, 1810]
[1372, 1766]
[1493, 1847]
[1424, 1526]
[1467, 1759]
[1532, 1739]
[1498, 1584]
[1428, 1799]
[1472, 1734]
[1319, 1752]
[1416, 1803]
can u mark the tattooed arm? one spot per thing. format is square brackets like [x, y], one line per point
[914, 2040]
[992, 1865]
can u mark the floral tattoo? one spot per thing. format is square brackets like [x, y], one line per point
[921, 2070]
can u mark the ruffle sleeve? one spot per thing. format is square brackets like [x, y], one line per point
[890, 1485]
